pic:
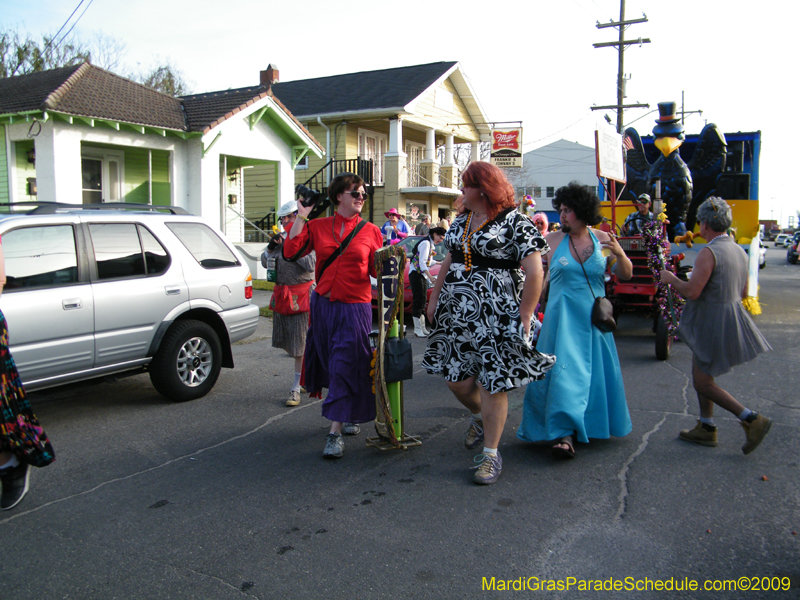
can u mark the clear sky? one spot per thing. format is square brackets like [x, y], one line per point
[528, 60]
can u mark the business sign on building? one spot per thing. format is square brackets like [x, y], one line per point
[609, 153]
[507, 147]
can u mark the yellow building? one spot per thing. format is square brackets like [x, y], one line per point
[392, 126]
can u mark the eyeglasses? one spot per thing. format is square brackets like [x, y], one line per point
[357, 195]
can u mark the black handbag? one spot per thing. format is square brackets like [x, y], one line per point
[603, 314]
[602, 309]
[398, 362]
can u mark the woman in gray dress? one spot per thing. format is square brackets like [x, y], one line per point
[716, 326]
[289, 331]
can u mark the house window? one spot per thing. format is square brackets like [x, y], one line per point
[537, 192]
[415, 153]
[373, 146]
[551, 192]
[302, 164]
[102, 174]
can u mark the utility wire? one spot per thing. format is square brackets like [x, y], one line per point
[76, 21]
[53, 39]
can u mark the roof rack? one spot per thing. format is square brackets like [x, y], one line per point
[49, 208]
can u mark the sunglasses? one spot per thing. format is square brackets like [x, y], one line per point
[289, 216]
[357, 195]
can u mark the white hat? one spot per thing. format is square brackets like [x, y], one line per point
[287, 209]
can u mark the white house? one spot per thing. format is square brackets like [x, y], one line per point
[82, 135]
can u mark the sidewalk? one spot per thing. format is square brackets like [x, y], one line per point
[261, 297]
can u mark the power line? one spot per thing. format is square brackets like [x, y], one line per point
[76, 20]
[53, 39]
[557, 132]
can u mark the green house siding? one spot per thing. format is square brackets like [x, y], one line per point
[3, 166]
[25, 171]
[136, 187]
[260, 194]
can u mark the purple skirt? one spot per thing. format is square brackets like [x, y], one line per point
[338, 357]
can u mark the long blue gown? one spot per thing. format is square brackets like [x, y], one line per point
[583, 394]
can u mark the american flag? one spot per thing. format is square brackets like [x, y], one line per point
[628, 142]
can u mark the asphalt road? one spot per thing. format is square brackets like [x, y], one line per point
[228, 496]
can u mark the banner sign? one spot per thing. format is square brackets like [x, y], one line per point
[507, 147]
[609, 153]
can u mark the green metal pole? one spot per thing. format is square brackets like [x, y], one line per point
[393, 389]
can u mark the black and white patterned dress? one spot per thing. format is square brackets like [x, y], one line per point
[478, 331]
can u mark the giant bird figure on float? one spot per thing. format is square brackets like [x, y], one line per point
[683, 187]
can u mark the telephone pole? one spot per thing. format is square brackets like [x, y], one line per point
[621, 44]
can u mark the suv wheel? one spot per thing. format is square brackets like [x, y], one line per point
[188, 361]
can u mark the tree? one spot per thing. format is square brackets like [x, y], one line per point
[164, 77]
[21, 54]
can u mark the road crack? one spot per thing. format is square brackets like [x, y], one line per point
[623, 473]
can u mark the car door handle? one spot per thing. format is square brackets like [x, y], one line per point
[173, 291]
[72, 303]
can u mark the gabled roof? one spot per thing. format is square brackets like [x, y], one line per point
[86, 91]
[377, 93]
[386, 89]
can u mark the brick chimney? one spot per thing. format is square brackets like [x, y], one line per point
[270, 76]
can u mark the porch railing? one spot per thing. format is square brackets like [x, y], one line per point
[415, 179]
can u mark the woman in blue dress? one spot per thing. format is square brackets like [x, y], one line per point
[582, 396]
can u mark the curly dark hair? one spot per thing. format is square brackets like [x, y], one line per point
[583, 202]
[341, 183]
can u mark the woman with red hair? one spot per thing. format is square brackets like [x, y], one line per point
[483, 308]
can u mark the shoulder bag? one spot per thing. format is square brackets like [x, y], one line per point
[602, 310]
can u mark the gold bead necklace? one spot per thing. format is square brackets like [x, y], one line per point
[465, 239]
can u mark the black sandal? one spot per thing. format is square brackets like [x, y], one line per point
[568, 452]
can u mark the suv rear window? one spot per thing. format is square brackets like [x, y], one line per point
[205, 245]
[38, 257]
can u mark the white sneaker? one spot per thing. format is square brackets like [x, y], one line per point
[294, 398]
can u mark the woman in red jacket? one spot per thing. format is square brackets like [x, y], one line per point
[338, 352]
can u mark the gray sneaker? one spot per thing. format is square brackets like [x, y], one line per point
[351, 429]
[489, 468]
[334, 446]
[474, 436]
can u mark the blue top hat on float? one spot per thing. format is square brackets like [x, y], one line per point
[668, 124]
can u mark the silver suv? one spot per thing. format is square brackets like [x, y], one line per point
[98, 289]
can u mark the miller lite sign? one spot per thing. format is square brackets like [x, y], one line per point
[507, 147]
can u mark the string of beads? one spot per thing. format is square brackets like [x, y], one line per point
[465, 241]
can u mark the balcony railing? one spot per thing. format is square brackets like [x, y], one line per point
[415, 178]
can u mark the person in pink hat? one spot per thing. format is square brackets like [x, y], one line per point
[395, 229]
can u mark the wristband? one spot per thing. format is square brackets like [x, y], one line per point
[302, 217]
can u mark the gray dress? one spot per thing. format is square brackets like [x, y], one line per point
[716, 326]
[289, 331]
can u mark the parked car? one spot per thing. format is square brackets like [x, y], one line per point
[793, 250]
[99, 289]
[781, 239]
[408, 245]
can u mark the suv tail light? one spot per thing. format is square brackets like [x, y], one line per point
[248, 287]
